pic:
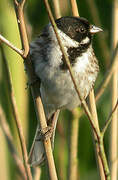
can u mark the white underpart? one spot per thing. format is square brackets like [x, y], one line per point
[82, 62]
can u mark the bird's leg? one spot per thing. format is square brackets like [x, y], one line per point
[47, 132]
[44, 133]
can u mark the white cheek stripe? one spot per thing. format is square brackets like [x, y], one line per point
[85, 41]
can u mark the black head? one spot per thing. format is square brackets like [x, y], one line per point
[77, 28]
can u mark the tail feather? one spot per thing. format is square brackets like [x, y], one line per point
[37, 152]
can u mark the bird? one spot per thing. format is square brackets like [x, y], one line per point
[56, 87]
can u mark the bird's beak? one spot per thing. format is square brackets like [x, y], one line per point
[94, 29]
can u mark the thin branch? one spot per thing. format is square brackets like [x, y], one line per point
[35, 88]
[108, 75]
[9, 44]
[109, 119]
[73, 146]
[5, 128]
[19, 6]
[57, 10]
[95, 117]
[37, 173]
[93, 108]
[17, 119]
[21, 136]
[114, 123]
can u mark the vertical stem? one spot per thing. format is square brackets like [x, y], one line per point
[103, 159]
[57, 11]
[5, 128]
[95, 117]
[37, 174]
[74, 8]
[114, 125]
[21, 136]
[73, 163]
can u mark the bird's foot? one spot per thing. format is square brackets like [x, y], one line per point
[45, 133]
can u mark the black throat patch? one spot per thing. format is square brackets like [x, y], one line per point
[73, 53]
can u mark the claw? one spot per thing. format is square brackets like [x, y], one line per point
[45, 133]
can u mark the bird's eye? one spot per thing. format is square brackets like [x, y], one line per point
[82, 29]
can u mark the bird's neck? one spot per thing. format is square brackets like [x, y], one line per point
[74, 53]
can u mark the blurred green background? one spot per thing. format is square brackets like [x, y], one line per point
[98, 12]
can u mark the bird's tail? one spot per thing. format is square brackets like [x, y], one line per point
[37, 152]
